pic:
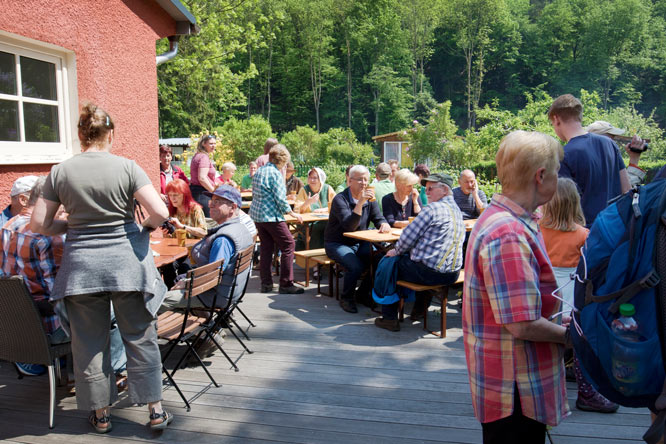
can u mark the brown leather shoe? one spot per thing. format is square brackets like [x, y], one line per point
[388, 324]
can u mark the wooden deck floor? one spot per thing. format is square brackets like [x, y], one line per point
[317, 375]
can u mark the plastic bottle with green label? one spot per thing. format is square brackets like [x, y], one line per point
[625, 358]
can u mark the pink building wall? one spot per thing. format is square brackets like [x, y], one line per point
[114, 42]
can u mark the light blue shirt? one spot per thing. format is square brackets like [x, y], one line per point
[222, 248]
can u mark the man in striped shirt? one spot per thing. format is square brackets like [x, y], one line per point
[430, 247]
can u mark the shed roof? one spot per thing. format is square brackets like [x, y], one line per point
[176, 141]
[398, 136]
[185, 21]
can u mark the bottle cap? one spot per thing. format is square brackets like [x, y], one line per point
[627, 310]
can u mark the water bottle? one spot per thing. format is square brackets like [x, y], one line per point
[625, 358]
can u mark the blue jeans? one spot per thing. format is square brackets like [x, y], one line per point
[355, 259]
[418, 273]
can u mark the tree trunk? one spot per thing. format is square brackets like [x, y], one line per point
[468, 59]
[377, 106]
[349, 86]
[249, 81]
[268, 80]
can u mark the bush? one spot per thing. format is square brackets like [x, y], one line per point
[338, 146]
[245, 138]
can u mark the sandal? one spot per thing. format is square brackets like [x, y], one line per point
[165, 418]
[101, 425]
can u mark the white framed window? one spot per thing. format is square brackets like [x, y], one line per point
[393, 150]
[38, 101]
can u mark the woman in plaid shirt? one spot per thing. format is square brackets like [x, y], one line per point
[514, 352]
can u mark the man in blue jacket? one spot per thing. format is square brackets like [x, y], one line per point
[353, 210]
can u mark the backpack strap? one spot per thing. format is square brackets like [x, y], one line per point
[622, 295]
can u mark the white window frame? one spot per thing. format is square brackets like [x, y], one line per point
[23, 152]
[399, 159]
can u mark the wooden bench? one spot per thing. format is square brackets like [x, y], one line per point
[303, 260]
[444, 293]
[330, 263]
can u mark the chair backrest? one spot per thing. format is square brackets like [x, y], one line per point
[202, 279]
[22, 335]
[243, 263]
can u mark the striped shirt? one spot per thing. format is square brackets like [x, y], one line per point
[35, 257]
[509, 278]
[269, 195]
[435, 237]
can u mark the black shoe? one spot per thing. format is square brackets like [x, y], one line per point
[291, 290]
[267, 288]
[388, 324]
[348, 306]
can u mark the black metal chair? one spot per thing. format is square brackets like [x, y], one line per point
[184, 327]
[22, 335]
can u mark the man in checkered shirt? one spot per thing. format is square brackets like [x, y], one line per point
[430, 247]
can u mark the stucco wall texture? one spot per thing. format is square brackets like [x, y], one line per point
[114, 43]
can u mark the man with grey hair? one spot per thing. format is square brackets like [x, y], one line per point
[353, 210]
[19, 195]
[470, 199]
[430, 249]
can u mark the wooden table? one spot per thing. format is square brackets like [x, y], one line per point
[168, 249]
[245, 205]
[246, 195]
[308, 219]
[469, 224]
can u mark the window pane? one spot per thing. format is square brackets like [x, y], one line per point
[391, 151]
[41, 123]
[7, 73]
[38, 78]
[9, 129]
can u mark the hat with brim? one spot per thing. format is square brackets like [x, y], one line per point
[602, 127]
[23, 185]
[439, 178]
[383, 170]
[226, 192]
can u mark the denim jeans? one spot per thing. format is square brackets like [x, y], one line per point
[417, 272]
[355, 259]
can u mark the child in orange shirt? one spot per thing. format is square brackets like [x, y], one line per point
[564, 233]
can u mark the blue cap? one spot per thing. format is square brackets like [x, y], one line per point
[226, 192]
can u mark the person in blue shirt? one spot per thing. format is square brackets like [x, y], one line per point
[590, 160]
[19, 195]
[225, 241]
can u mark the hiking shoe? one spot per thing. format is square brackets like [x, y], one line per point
[267, 288]
[348, 305]
[30, 369]
[596, 403]
[388, 324]
[292, 289]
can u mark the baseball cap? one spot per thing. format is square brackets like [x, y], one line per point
[383, 170]
[439, 178]
[226, 192]
[23, 185]
[602, 127]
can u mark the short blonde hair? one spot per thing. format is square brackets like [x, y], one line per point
[406, 177]
[279, 155]
[522, 153]
[228, 166]
[563, 211]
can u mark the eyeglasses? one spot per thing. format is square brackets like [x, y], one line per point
[430, 188]
[362, 179]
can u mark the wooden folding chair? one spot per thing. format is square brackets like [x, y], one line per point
[221, 316]
[179, 327]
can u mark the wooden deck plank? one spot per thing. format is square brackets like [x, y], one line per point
[318, 375]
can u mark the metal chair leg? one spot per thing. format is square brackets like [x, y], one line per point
[245, 316]
[51, 395]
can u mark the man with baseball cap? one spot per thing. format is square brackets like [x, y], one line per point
[430, 248]
[225, 241]
[19, 195]
[603, 128]
[383, 184]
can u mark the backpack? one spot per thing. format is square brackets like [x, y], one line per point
[623, 259]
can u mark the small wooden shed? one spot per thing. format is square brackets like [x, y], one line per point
[394, 146]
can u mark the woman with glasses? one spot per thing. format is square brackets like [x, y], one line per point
[404, 203]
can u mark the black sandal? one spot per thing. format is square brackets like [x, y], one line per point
[95, 422]
[165, 416]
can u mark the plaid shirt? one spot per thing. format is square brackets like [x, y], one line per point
[509, 279]
[33, 256]
[435, 237]
[269, 195]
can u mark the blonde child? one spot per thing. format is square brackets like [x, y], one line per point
[564, 233]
